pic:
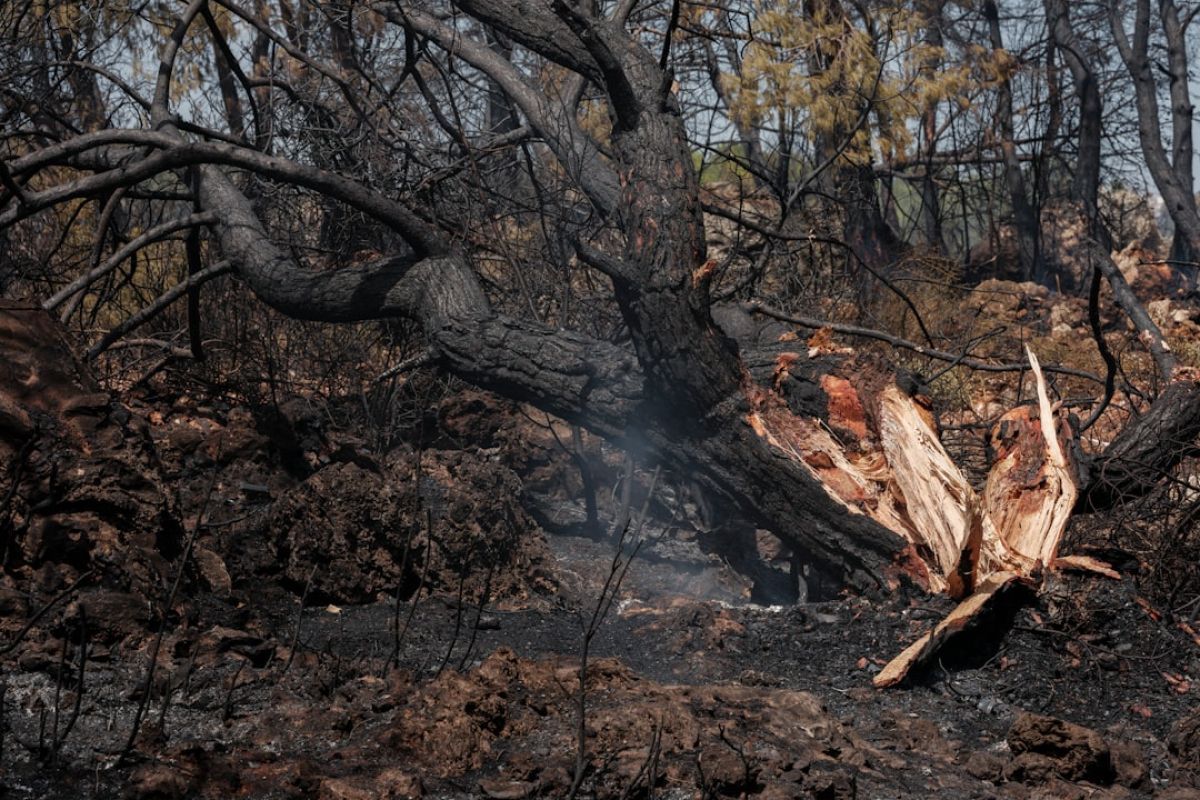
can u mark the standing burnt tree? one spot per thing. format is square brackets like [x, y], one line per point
[356, 106]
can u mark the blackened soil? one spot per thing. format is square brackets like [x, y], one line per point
[353, 710]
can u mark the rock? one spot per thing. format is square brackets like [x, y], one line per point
[1031, 768]
[1044, 747]
[1177, 793]
[985, 766]
[554, 781]
[400, 785]
[1058, 789]
[1067, 315]
[110, 613]
[830, 783]
[1129, 764]
[506, 790]
[218, 640]
[339, 789]
[213, 571]
[782, 790]
[1184, 740]
[13, 603]
[36, 659]
[726, 771]
[158, 782]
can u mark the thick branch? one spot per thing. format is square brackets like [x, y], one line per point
[1146, 451]
[178, 152]
[574, 148]
[533, 24]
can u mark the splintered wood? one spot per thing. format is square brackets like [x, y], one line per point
[938, 506]
[1031, 488]
[973, 545]
[955, 622]
[907, 482]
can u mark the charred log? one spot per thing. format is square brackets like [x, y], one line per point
[1146, 451]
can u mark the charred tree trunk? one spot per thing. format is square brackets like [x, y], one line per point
[931, 208]
[1146, 451]
[1085, 186]
[1025, 220]
[1172, 177]
[850, 176]
[866, 230]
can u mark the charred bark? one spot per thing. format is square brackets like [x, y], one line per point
[1146, 451]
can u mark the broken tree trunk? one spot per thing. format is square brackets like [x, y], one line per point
[896, 472]
[901, 476]
[1153, 444]
[1031, 488]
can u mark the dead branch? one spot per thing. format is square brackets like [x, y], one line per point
[152, 235]
[905, 344]
[1110, 361]
[1148, 332]
[159, 305]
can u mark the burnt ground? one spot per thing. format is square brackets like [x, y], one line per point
[729, 700]
[355, 622]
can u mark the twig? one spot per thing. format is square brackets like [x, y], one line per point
[1110, 361]
[58, 682]
[227, 708]
[299, 618]
[419, 360]
[9, 183]
[966, 352]
[59, 741]
[483, 600]
[42, 612]
[397, 633]
[740, 750]
[16, 471]
[148, 683]
[1150, 334]
[412, 608]
[3, 715]
[608, 592]
[159, 305]
[905, 344]
[458, 616]
[649, 767]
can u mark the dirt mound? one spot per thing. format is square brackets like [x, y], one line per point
[362, 534]
[507, 729]
[82, 490]
[1184, 743]
[1044, 747]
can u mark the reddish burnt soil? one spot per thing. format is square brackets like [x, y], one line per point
[764, 702]
[466, 538]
